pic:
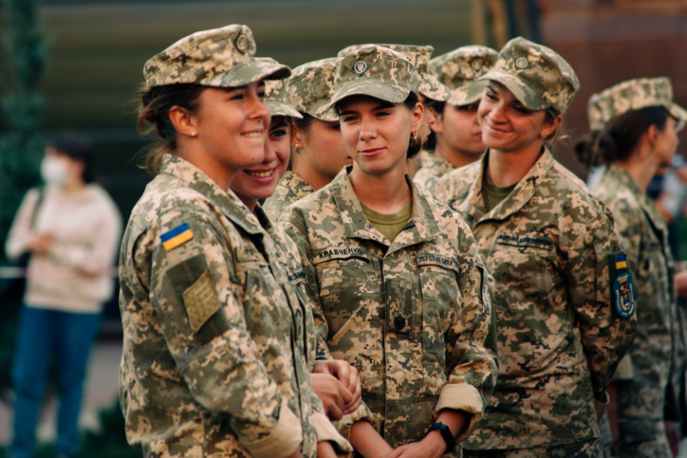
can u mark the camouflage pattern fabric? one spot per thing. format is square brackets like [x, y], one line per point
[375, 71]
[411, 316]
[222, 57]
[310, 89]
[215, 339]
[460, 69]
[644, 236]
[419, 56]
[633, 95]
[559, 336]
[536, 75]
[278, 101]
[588, 449]
[291, 188]
[432, 168]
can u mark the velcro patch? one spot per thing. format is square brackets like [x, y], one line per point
[201, 302]
[542, 242]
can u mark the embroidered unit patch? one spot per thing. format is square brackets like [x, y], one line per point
[201, 302]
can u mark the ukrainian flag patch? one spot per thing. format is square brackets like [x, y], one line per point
[176, 237]
[620, 262]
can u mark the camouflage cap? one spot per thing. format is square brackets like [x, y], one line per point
[310, 89]
[278, 101]
[535, 74]
[460, 69]
[633, 95]
[375, 71]
[220, 57]
[419, 56]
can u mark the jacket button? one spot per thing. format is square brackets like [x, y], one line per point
[399, 323]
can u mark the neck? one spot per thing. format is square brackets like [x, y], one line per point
[309, 174]
[387, 193]
[640, 168]
[456, 158]
[248, 202]
[73, 186]
[508, 167]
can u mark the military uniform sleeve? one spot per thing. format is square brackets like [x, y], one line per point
[473, 367]
[605, 335]
[194, 294]
[293, 224]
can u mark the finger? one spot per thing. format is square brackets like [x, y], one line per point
[353, 379]
[395, 453]
[335, 412]
[345, 395]
[342, 370]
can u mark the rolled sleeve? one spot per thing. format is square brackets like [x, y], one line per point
[282, 441]
[462, 397]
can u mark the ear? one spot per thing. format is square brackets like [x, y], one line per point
[184, 122]
[435, 121]
[652, 134]
[296, 136]
[550, 127]
[418, 116]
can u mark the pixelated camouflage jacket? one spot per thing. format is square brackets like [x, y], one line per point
[559, 336]
[291, 188]
[432, 168]
[214, 359]
[644, 236]
[411, 316]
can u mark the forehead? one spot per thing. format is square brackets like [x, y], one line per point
[502, 91]
[362, 102]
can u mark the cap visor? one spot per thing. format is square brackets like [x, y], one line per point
[371, 88]
[468, 93]
[282, 109]
[324, 111]
[530, 99]
[253, 71]
[431, 88]
[679, 113]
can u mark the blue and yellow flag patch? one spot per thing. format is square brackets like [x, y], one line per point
[176, 237]
[620, 262]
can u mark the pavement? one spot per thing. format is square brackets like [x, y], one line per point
[100, 391]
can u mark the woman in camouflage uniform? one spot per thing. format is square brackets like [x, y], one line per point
[634, 127]
[318, 149]
[395, 274]
[456, 138]
[215, 351]
[554, 256]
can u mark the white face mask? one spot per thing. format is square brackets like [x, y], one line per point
[53, 171]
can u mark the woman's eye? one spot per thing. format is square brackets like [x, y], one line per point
[490, 96]
[348, 119]
[278, 133]
[383, 113]
[521, 110]
[261, 94]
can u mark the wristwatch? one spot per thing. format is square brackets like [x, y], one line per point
[446, 434]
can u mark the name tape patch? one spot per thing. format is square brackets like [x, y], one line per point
[542, 242]
[437, 260]
[342, 252]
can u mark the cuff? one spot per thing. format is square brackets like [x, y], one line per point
[461, 397]
[284, 439]
[344, 425]
[625, 370]
[327, 432]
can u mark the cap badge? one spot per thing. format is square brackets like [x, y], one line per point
[476, 64]
[521, 62]
[360, 67]
[241, 43]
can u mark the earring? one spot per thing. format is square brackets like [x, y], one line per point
[194, 134]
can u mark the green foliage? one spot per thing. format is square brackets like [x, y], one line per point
[21, 148]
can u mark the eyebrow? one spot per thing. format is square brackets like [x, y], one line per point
[278, 125]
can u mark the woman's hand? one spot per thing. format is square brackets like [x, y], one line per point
[334, 396]
[347, 375]
[432, 446]
[40, 243]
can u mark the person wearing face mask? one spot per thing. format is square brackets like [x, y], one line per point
[72, 235]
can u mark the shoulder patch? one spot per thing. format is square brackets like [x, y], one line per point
[201, 302]
[543, 242]
[176, 237]
[622, 285]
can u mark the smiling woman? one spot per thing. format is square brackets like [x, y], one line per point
[215, 359]
[400, 288]
[555, 257]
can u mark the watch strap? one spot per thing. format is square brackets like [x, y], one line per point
[446, 434]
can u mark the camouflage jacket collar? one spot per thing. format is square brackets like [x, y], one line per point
[619, 175]
[422, 226]
[227, 202]
[523, 192]
[296, 184]
[430, 159]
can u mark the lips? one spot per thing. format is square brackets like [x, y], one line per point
[253, 134]
[260, 174]
[371, 152]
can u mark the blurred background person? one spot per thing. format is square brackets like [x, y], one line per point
[73, 241]
[456, 138]
[634, 134]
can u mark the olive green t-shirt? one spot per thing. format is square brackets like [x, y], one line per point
[494, 195]
[389, 225]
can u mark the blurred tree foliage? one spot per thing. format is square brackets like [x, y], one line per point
[23, 61]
